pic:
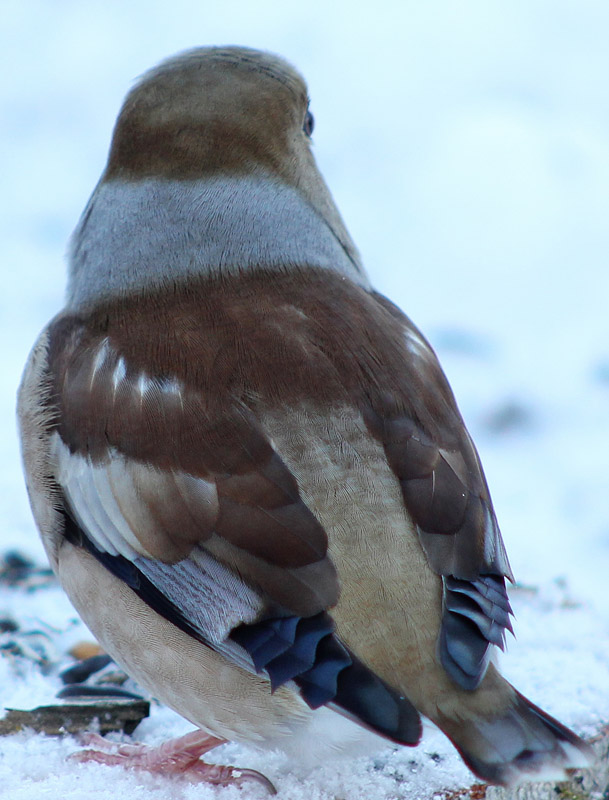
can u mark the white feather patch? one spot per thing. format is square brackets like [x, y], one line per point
[417, 346]
[211, 597]
[90, 492]
[119, 374]
[100, 357]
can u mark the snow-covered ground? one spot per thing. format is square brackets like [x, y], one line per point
[467, 145]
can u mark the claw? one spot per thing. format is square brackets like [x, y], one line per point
[241, 776]
[220, 775]
[176, 757]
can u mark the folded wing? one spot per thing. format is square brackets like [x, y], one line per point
[444, 489]
[195, 511]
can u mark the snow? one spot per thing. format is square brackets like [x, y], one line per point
[467, 146]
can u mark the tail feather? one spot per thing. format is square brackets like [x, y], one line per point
[522, 744]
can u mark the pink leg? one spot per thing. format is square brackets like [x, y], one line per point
[179, 756]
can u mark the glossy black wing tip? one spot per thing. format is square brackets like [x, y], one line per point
[307, 651]
[296, 648]
[363, 696]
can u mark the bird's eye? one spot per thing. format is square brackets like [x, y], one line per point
[309, 123]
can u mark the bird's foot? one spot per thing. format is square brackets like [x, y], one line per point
[179, 757]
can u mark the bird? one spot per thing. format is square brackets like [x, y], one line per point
[247, 467]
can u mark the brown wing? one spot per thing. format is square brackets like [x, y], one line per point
[314, 337]
[445, 491]
[187, 502]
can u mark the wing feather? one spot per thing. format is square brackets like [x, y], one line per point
[444, 489]
[208, 529]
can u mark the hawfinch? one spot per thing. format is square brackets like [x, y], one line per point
[248, 469]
